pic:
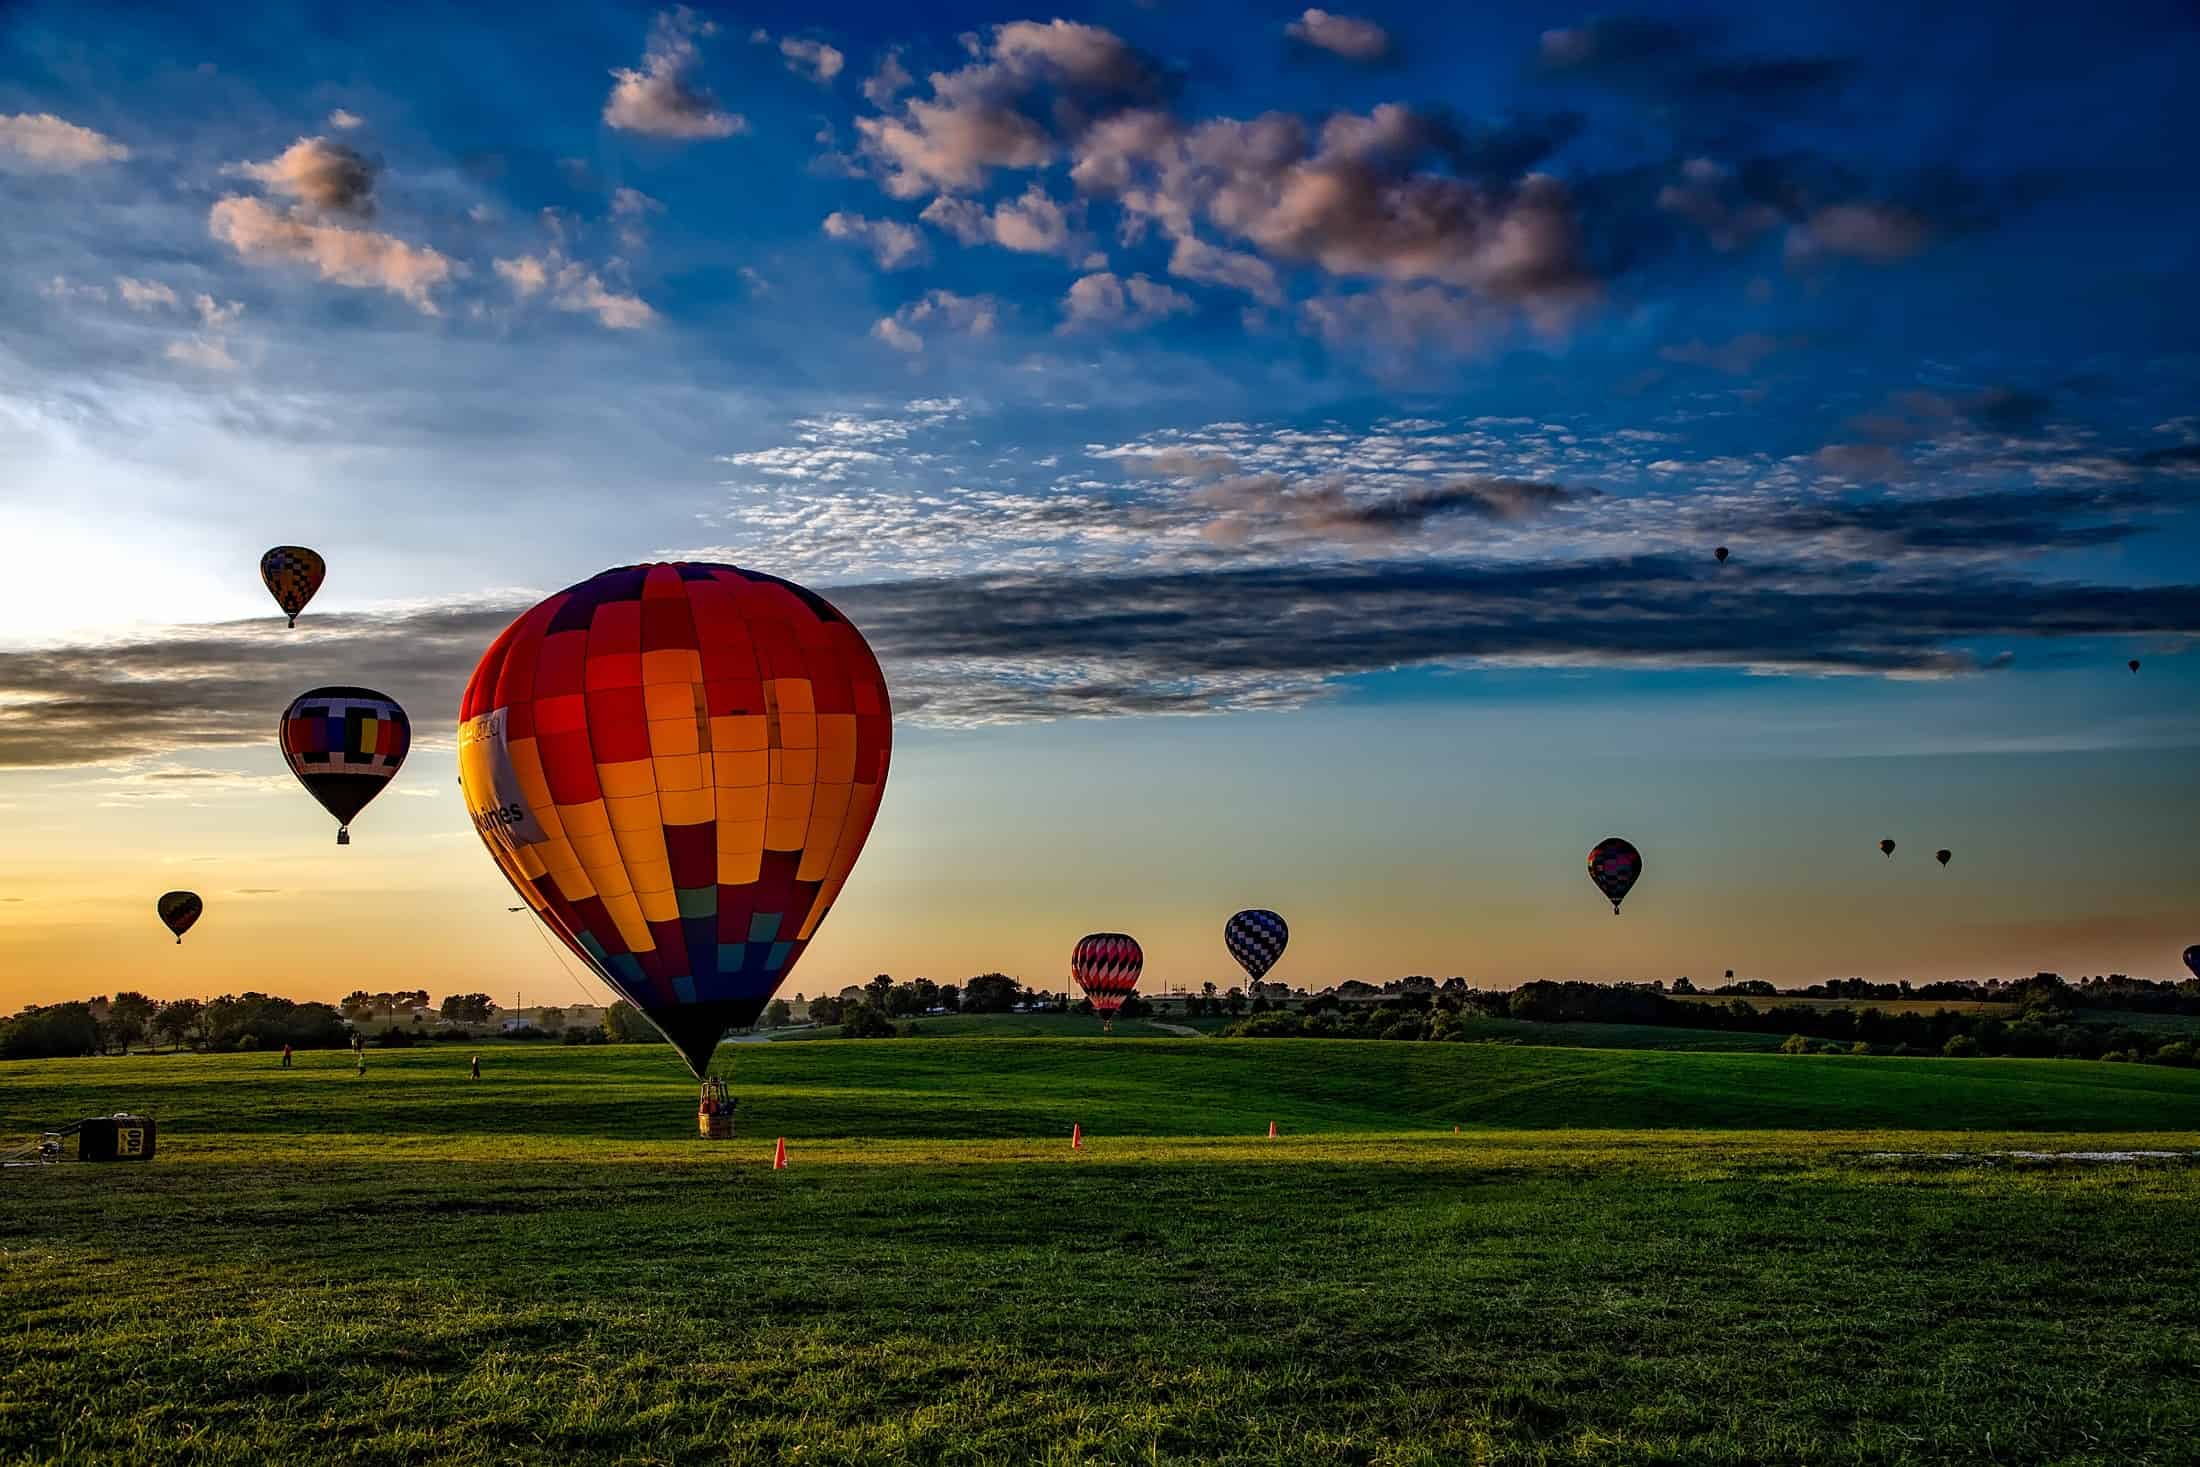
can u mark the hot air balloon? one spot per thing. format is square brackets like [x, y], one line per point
[345, 745]
[293, 573]
[1256, 938]
[2192, 959]
[2134, 664]
[179, 909]
[676, 766]
[1886, 848]
[1721, 554]
[1944, 857]
[1615, 866]
[1106, 965]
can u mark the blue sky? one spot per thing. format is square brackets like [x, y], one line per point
[1372, 385]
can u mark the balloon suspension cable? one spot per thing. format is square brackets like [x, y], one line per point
[558, 955]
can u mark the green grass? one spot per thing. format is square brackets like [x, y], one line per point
[1623, 1257]
[1884, 1005]
[1499, 1031]
[1022, 1026]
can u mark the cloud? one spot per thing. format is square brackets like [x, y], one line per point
[2009, 410]
[1677, 65]
[1364, 195]
[343, 255]
[812, 59]
[1879, 233]
[887, 82]
[42, 142]
[209, 352]
[576, 288]
[982, 117]
[892, 243]
[1340, 35]
[1264, 505]
[1401, 321]
[1105, 300]
[976, 314]
[1706, 197]
[324, 176]
[1737, 357]
[143, 295]
[662, 99]
[989, 648]
[344, 121]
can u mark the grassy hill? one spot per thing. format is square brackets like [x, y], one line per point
[1625, 1256]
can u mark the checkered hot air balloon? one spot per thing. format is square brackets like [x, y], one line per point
[676, 766]
[1106, 965]
[1615, 866]
[178, 910]
[345, 745]
[1256, 937]
[292, 573]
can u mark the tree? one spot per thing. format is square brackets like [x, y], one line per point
[358, 1004]
[865, 1022]
[1235, 998]
[130, 1018]
[878, 991]
[951, 998]
[182, 1021]
[57, 1031]
[777, 1015]
[825, 1009]
[623, 1024]
[991, 993]
[467, 1008]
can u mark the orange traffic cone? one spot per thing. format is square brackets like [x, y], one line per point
[1271, 1130]
[779, 1156]
[1076, 1136]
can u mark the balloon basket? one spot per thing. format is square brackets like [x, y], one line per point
[714, 1112]
[343, 835]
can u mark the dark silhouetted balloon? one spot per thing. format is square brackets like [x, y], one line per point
[1615, 866]
[2192, 959]
[1944, 857]
[1721, 553]
[676, 766]
[292, 573]
[1256, 937]
[1106, 965]
[179, 909]
[1886, 848]
[2134, 665]
[345, 745]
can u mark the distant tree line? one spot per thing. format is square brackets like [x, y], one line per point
[2039, 1017]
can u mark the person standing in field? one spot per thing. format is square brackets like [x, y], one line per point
[286, 1056]
[476, 1065]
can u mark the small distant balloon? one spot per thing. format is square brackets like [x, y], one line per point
[1615, 866]
[2192, 959]
[1944, 857]
[1256, 938]
[2133, 664]
[1106, 966]
[345, 745]
[179, 909]
[292, 573]
[1721, 553]
[1886, 848]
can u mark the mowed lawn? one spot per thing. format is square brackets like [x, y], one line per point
[1620, 1257]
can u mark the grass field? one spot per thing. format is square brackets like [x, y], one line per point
[1885, 1005]
[1477, 1028]
[1622, 1257]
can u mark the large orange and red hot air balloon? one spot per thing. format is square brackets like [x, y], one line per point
[1106, 965]
[676, 766]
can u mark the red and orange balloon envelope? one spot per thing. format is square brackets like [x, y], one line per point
[178, 910]
[345, 745]
[1106, 965]
[1615, 866]
[676, 766]
[292, 573]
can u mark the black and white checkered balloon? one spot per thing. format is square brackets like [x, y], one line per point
[1256, 938]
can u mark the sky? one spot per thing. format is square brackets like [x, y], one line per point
[1276, 454]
